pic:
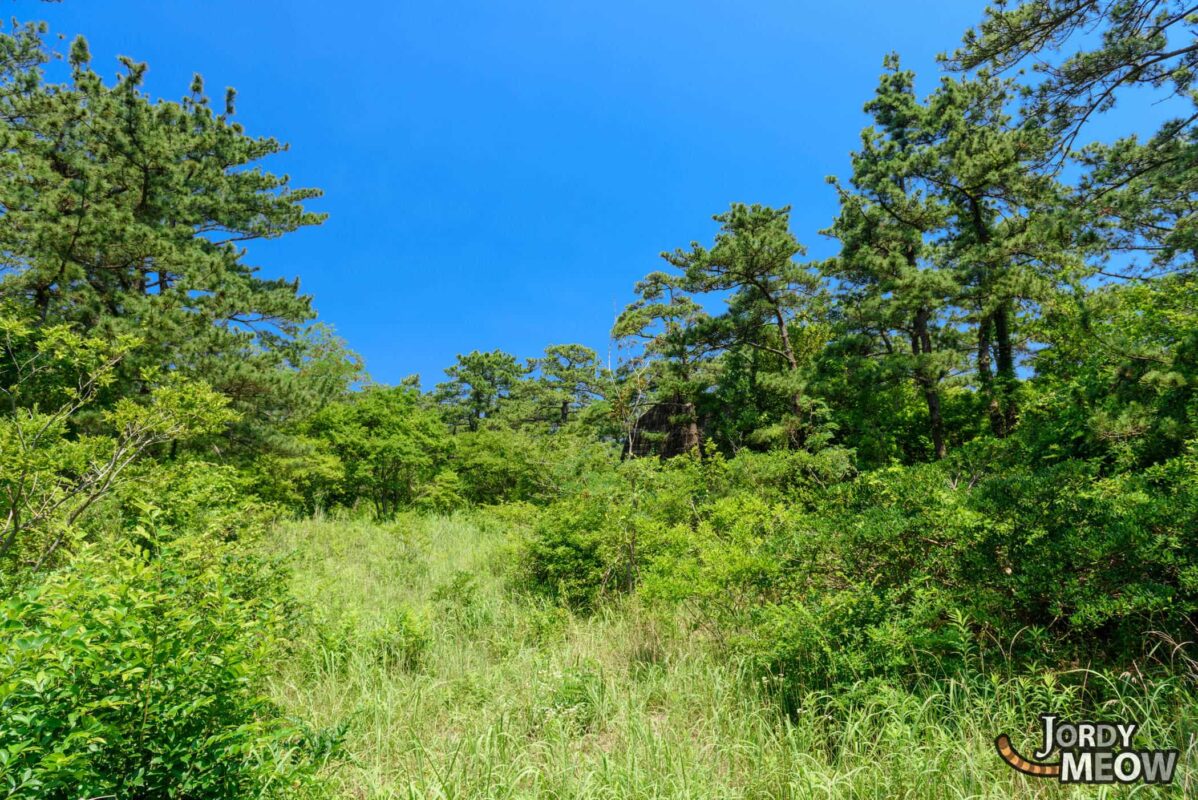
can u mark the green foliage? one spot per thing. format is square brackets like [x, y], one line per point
[963, 446]
[1119, 383]
[442, 494]
[477, 384]
[308, 476]
[128, 215]
[821, 578]
[389, 445]
[564, 555]
[134, 675]
[188, 497]
[673, 331]
[399, 641]
[502, 465]
[568, 379]
[753, 259]
[50, 478]
[894, 286]
[647, 520]
[498, 465]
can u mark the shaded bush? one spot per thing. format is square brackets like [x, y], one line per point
[563, 555]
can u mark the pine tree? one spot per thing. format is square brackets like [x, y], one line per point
[567, 380]
[479, 383]
[1000, 238]
[753, 257]
[127, 215]
[1135, 197]
[895, 287]
[673, 331]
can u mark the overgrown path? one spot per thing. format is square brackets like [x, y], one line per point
[454, 686]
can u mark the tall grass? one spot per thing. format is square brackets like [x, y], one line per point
[453, 686]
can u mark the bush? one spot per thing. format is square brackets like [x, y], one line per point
[441, 495]
[189, 495]
[907, 568]
[563, 554]
[652, 519]
[130, 675]
[399, 641]
[398, 638]
[498, 466]
[822, 582]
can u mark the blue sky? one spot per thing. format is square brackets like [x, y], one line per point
[499, 174]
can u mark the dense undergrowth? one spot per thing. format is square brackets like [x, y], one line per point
[825, 578]
[453, 681]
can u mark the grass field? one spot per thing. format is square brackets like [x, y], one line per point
[452, 685]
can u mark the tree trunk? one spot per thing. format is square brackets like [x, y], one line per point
[784, 335]
[935, 422]
[41, 301]
[799, 436]
[986, 377]
[921, 343]
[1000, 402]
[1005, 366]
[690, 439]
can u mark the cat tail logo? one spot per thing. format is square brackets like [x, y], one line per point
[1018, 762]
[1091, 752]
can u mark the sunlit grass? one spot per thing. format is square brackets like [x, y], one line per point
[454, 686]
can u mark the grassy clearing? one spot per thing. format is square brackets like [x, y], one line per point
[453, 686]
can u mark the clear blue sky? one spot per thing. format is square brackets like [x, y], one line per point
[499, 174]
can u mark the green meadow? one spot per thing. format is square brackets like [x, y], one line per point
[457, 685]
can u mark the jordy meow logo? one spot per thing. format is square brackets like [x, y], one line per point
[1091, 752]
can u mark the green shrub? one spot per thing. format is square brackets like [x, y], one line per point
[572, 698]
[1101, 560]
[193, 496]
[907, 568]
[461, 590]
[824, 577]
[792, 475]
[129, 675]
[562, 555]
[442, 494]
[303, 475]
[399, 641]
